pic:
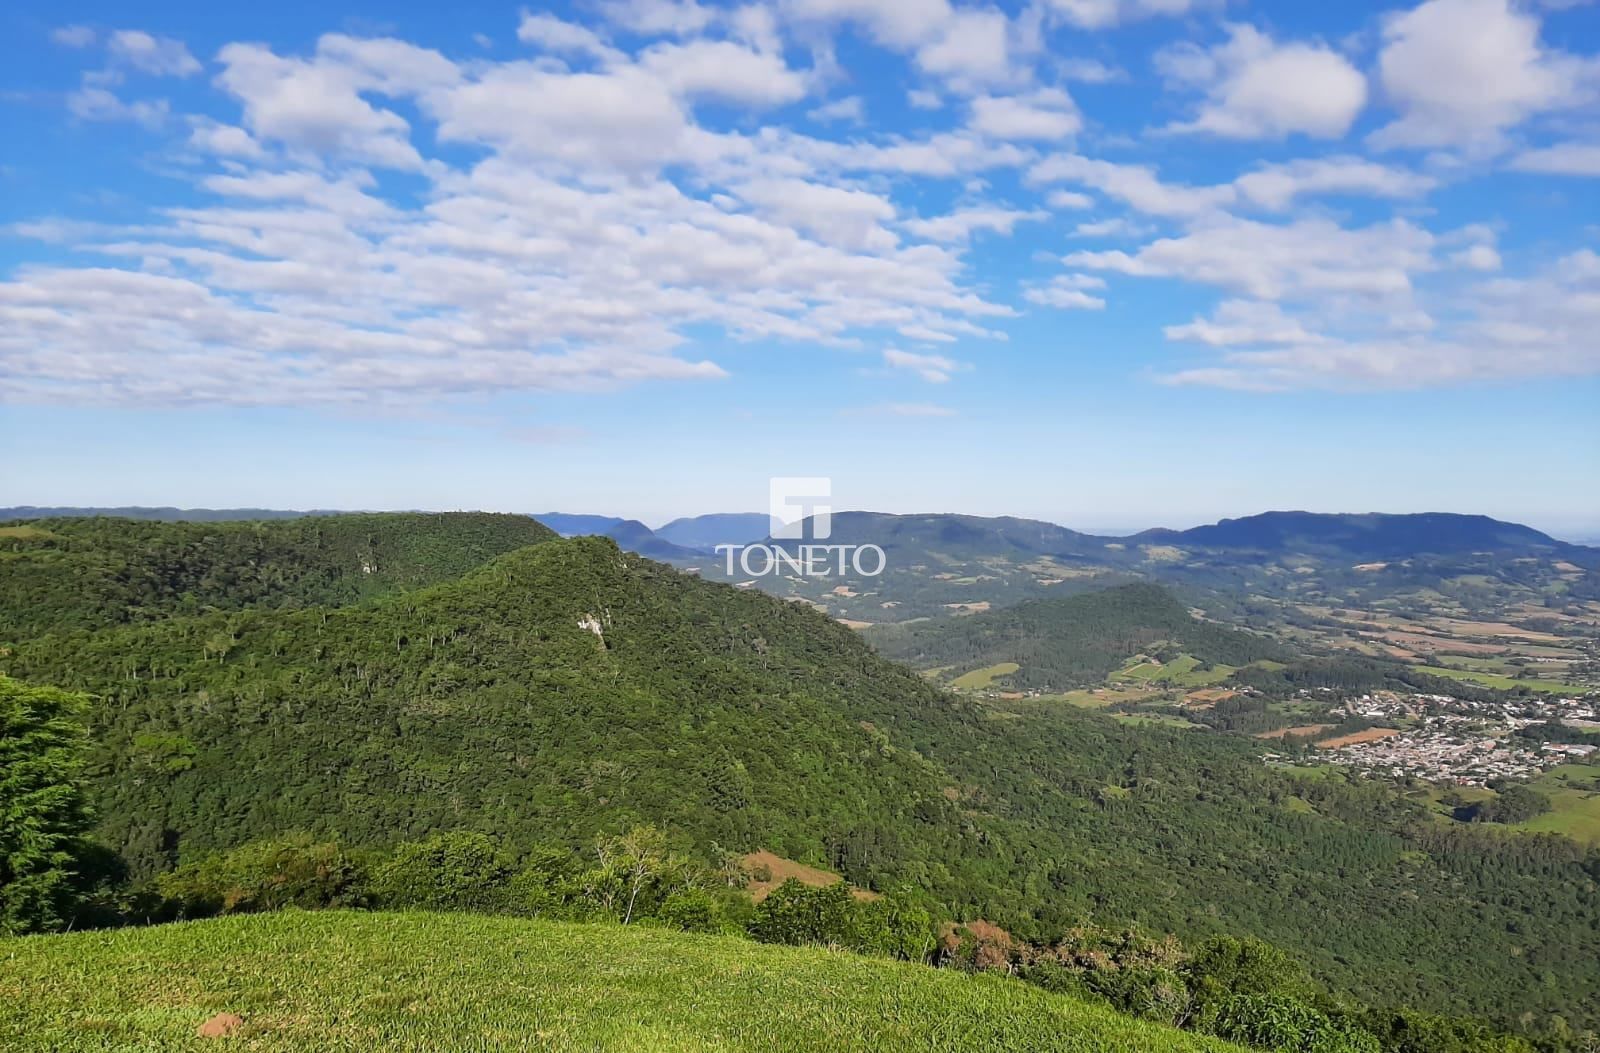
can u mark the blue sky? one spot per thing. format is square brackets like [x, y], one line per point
[1113, 263]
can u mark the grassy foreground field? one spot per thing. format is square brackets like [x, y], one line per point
[358, 981]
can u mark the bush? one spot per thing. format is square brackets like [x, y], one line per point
[1287, 1024]
[691, 910]
[454, 871]
[896, 925]
[794, 913]
[266, 875]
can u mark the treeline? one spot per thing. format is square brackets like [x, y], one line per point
[93, 572]
[1242, 990]
[1352, 674]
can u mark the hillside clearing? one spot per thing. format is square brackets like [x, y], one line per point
[336, 981]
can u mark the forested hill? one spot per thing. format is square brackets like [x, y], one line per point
[569, 688]
[92, 572]
[1074, 640]
[1367, 536]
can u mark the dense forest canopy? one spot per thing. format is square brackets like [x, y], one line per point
[569, 689]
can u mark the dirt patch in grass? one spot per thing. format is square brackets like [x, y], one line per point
[768, 870]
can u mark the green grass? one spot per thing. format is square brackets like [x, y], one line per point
[1506, 683]
[1573, 812]
[335, 981]
[978, 679]
[1182, 671]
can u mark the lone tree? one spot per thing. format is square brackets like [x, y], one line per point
[42, 810]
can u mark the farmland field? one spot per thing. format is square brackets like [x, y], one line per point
[338, 981]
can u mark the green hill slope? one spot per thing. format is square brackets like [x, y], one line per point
[1074, 640]
[569, 688]
[350, 981]
[88, 573]
[555, 691]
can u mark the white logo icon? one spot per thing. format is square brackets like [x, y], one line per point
[794, 499]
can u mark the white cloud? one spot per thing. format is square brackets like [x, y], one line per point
[837, 215]
[225, 140]
[1136, 185]
[1477, 258]
[720, 69]
[98, 104]
[1067, 292]
[970, 48]
[161, 56]
[1462, 72]
[1101, 14]
[896, 23]
[1572, 159]
[74, 36]
[962, 223]
[849, 109]
[1245, 322]
[922, 99]
[1048, 113]
[653, 17]
[553, 34]
[935, 369]
[315, 106]
[1069, 199]
[1308, 257]
[1276, 187]
[1257, 88]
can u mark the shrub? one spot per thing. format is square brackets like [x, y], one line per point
[454, 871]
[896, 925]
[266, 875]
[691, 910]
[1287, 1024]
[795, 913]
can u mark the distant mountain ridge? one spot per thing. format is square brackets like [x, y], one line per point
[1373, 534]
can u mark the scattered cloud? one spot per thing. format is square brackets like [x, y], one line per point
[935, 369]
[1571, 159]
[74, 36]
[1464, 72]
[158, 56]
[849, 109]
[1046, 114]
[1258, 88]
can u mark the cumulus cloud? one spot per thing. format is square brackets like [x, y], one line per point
[1277, 187]
[1068, 292]
[1257, 88]
[598, 223]
[1046, 114]
[963, 223]
[1463, 72]
[160, 56]
[1271, 261]
[1570, 159]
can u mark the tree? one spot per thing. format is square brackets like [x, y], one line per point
[42, 810]
[635, 860]
[454, 871]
